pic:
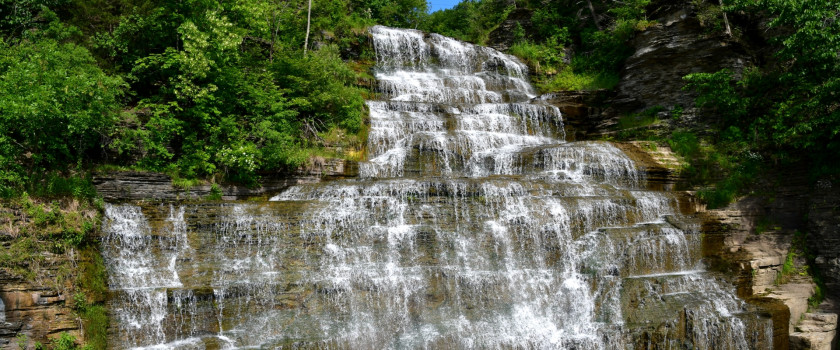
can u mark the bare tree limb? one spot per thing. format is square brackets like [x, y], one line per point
[725, 19]
[308, 17]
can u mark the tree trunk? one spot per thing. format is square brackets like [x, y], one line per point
[725, 19]
[308, 17]
[594, 16]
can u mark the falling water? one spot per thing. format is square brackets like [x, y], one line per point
[473, 225]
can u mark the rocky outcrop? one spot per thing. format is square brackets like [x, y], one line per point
[676, 46]
[753, 249]
[502, 38]
[659, 163]
[132, 185]
[37, 311]
[815, 331]
[652, 77]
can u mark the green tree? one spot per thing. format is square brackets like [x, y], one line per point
[792, 106]
[395, 13]
[470, 20]
[17, 16]
[55, 105]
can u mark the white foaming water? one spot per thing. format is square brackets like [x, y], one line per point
[473, 225]
[141, 266]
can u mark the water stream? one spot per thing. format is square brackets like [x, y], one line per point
[473, 225]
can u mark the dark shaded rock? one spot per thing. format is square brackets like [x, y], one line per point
[502, 38]
[665, 53]
[583, 116]
[823, 229]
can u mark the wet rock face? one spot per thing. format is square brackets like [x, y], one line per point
[582, 111]
[665, 53]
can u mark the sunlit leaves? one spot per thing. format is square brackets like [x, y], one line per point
[55, 103]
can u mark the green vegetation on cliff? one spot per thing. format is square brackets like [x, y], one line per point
[597, 30]
[783, 113]
[54, 244]
[788, 110]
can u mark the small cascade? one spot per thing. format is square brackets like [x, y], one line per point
[473, 225]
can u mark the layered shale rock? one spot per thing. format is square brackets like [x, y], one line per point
[133, 185]
[38, 310]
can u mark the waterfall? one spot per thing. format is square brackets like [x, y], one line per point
[473, 225]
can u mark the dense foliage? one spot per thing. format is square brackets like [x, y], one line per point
[788, 110]
[596, 35]
[469, 20]
[55, 106]
[192, 88]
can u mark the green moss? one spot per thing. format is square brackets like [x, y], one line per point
[92, 293]
[95, 322]
[21, 340]
[22, 253]
[569, 80]
[645, 118]
[93, 275]
[638, 126]
[819, 290]
[64, 342]
[788, 268]
[55, 226]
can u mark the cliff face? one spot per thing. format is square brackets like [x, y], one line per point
[46, 270]
[676, 46]
[35, 310]
[823, 229]
[502, 38]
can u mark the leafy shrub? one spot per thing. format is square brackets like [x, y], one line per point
[64, 342]
[55, 104]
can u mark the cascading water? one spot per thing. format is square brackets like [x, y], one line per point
[473, 225]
